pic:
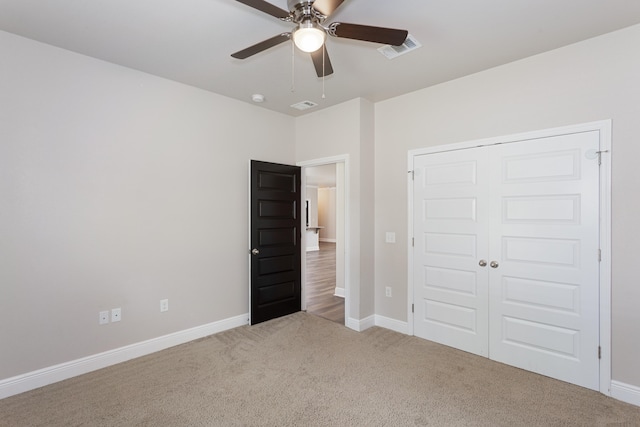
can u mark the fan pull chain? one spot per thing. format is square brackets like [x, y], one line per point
[324, 54]
[293, 66]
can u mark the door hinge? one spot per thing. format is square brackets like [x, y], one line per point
[413, 241]
[599, 255]
[599, 352]
[412, 308]
[599, 153]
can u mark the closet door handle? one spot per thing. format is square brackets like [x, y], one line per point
[494, 264]
[482, 263]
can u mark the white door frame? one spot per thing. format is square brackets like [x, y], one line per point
[604, 128]
[344, 159]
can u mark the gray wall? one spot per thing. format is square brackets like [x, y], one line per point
[354, 119]
[327, 213]
[118, 189]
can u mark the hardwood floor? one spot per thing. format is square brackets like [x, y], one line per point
[321, 284]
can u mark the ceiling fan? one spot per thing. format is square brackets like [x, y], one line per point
[310, 34]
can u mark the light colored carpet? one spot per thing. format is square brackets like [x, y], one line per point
[302, 370]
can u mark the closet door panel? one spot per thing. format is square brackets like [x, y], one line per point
[451, 226]
[543, 303]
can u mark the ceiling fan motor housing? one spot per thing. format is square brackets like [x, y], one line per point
[310, 33]
[303, 10]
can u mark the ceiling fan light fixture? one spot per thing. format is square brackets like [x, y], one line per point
[309, 36]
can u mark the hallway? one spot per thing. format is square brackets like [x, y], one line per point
[321, 283]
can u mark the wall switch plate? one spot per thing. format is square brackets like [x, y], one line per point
[164, 305]
[387, 291]
[390, 237]
[116, 315]
[103, 317]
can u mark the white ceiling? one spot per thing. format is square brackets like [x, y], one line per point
[190, 41]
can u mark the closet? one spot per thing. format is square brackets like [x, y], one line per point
[506, 253]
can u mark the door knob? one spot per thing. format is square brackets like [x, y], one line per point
[254, 251]
[494, 264]
[482, 263]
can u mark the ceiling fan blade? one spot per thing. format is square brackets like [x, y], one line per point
[263, 45]
[327, 7]
[369, 34]
[322, 68]
[266, 7]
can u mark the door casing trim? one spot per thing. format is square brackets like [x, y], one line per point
[344, 159]
[604, 127]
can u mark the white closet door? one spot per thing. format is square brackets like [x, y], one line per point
[450, 238]
[544, 310]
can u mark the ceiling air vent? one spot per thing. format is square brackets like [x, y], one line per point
[304, 105]
[394, 51]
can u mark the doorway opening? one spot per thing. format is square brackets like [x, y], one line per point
[324, 255]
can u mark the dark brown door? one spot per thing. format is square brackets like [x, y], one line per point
[275, 240]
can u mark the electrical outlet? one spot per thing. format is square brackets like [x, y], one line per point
[103, 317]
[164, 305]
[387, 291]
[116, 314]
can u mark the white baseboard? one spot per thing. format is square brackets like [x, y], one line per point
[377, 320]
[339, 292]
[32, 380]
[361, 325]
[393, 324]
[323, 239]
[313, 248]
[625, 392]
